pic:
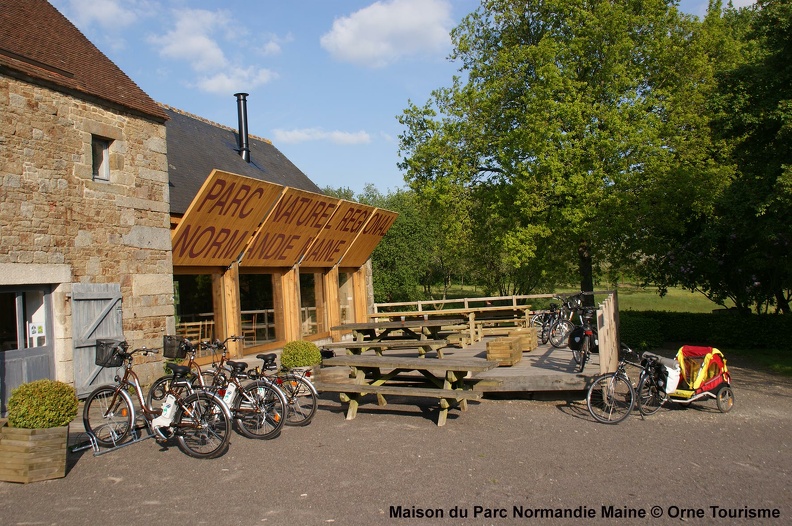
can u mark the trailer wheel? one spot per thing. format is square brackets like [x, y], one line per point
[725, 398]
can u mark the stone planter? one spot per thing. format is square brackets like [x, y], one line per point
[31, 455]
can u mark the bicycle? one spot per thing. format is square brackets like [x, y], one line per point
[563, 325]
[301, 395]
[200, 421]
[583, 343]
[543, 321]
[176, 348]
[258, 407]
[652, 387]
[611, 396]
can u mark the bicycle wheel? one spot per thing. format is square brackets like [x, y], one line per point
[259, 410]
[107, 415]
[545, 330]
[559, 333]
[159, 389]
[301, 399]
[610, 398]
[216, 377]
[203, 425]
[582, 354]
[536, 321]
[650, 398]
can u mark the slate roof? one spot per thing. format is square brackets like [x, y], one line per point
[197, 146]
[39, 45]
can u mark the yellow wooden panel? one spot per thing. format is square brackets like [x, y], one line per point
[221, 219]
[337, 236]
[290, 228]
[368, 238]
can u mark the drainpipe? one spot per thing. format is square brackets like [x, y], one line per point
[244, 146]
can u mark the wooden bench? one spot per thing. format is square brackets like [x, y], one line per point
[358, 347]
[497, 326]
[424, 392]
[444, 379]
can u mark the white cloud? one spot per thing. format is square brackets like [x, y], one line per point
[109, 14]
[317, 134]
[235, 80]
[274, 44]
[388, 30]
[192, 39]
[197, 38]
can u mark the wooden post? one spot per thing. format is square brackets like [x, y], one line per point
[332, 303]
[360, 293]
[232, 324]
[290, 302]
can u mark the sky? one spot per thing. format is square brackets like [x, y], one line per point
[326, 79]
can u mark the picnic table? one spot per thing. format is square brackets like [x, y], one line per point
[359, 346]
[386, 375]
[476, 317]
[416, 329]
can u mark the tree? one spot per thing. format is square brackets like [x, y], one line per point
[571, 131]
[742, 251]
[400, 261]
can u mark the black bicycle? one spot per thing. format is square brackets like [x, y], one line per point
[583, 338]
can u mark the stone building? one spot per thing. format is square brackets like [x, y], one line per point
[85, 248]
[121, 218]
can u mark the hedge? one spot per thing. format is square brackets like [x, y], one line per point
[653, 329]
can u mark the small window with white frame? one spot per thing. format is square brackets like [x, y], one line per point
[100, 149]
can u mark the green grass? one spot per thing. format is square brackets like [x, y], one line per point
[631, 297]
[676, 300]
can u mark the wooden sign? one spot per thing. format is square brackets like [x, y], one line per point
[221, 219]
[337, 236]
[369, 237]
[290, 228]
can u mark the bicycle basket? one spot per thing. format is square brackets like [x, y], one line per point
[173, 347]
[106, 355]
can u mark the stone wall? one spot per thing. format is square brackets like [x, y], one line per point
[54, 215]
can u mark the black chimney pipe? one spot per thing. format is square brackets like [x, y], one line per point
[244, 145]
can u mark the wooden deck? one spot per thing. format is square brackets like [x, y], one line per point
[543, 369]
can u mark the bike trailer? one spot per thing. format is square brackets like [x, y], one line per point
[703, 374]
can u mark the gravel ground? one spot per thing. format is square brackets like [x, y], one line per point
[504, 461]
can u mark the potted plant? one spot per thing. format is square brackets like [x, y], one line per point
[34, 437]
[300, 354]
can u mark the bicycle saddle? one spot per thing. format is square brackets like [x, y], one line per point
[237, 367]
[179, 371]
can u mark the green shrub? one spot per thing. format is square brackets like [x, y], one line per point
[42, 404]
[300, 353]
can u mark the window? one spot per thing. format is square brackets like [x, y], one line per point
[100, 148]
[257, 299]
